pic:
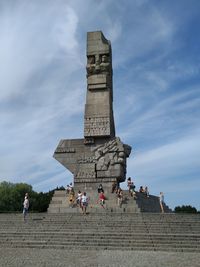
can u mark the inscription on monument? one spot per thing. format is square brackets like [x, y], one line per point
[97, 126]
[86, 160]
[85, 174]
[65, 150]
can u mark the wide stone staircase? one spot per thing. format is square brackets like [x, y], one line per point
[102, 231]
[60, 203]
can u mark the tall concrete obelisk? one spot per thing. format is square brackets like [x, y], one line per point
[99, 120]
[100, 157]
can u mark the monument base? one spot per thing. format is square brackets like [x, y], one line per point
[100, 162]
[60, 203]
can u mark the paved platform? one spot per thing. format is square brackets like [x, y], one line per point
[60, 258]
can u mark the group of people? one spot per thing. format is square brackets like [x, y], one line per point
[80, 200]
[115, 189]
[131, 188]
[144, 190]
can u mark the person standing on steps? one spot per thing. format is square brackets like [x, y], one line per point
[25, 207]
[70, 187]
[78, 199]
[67, 189]
[102, 199]
[146, 191]
[100, 189]
[132, 190]
[84, 202]
[161, 200]
[114, 187]
[141, 190]
[129, 184]
[71, 198]
[119, 197]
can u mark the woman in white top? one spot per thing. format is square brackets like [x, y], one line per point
[161, 200]
[25, 206]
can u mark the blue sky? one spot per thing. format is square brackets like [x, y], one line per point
[156, 65]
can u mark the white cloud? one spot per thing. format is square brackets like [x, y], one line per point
[43, 86]
[29, 45]
[179, 155]
[170, 168]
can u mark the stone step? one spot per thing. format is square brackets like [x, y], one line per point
[78, 217]
[132, 239]
[99, 238]
[130, 231]
[105, 230]
[157, 226]
[103, 245]
[92, 209]
[70, 234]
[98, 242]
[161, 224]
[130, 225]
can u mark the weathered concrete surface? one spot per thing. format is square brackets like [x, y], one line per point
[99, 120]
[103, 162]
[62, 258]
[100, 157]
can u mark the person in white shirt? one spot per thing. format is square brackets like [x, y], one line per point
[161, 200]
[84, 202]
[78, 199]
[70, 187]
[25, 206]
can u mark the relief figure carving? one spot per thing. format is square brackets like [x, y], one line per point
[90, 65]
[105, 64]
[112, 153]
[98, 64]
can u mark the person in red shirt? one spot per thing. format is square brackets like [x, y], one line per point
[102, 199]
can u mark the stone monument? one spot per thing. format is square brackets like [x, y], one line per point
[100, 157]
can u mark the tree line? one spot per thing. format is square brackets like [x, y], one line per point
[185, 209]
[12, 197]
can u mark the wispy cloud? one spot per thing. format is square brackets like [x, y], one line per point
[170, 168]
[156, 87]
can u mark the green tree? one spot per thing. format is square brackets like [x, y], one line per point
[12, 197]
[185, 209]
[19, 191]
[42, 201]
[5, 195]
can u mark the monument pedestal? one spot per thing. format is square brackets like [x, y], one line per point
[60, 203]
[93, 164]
